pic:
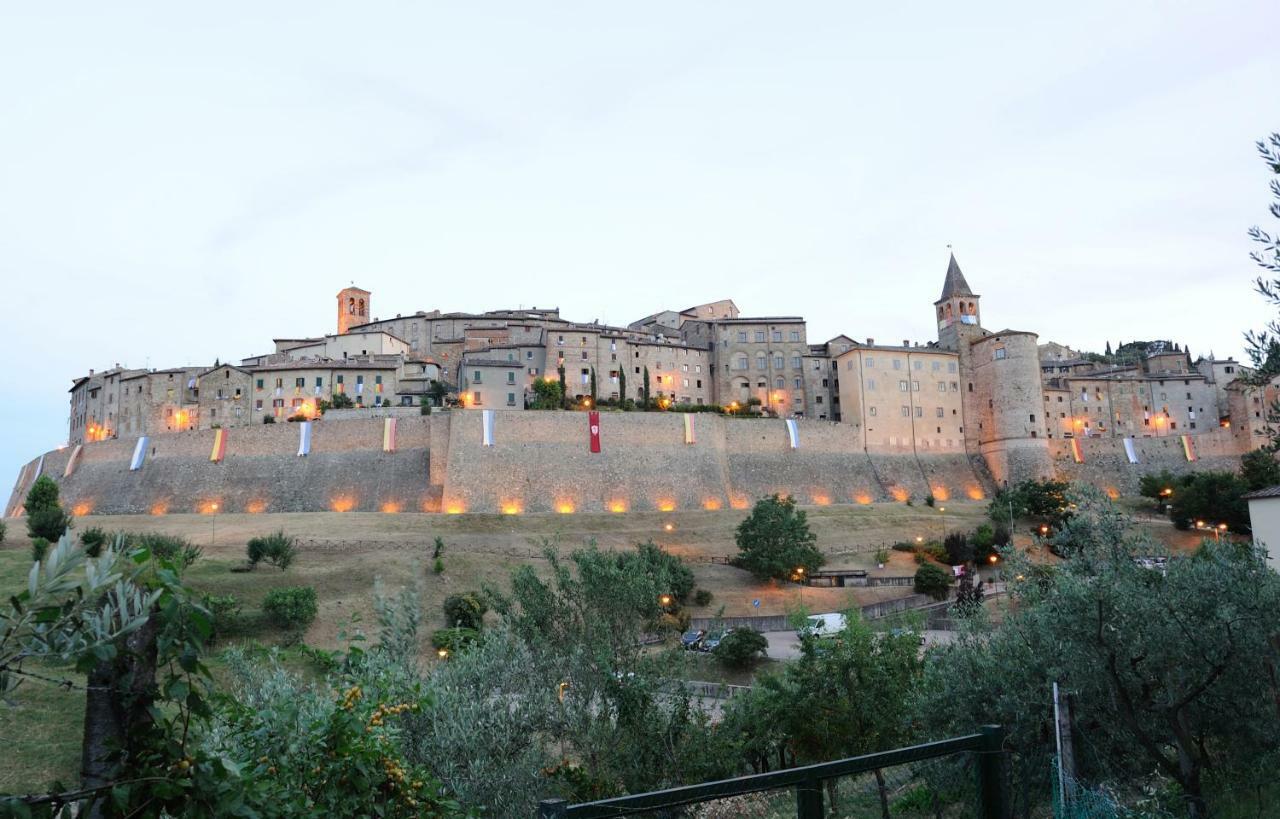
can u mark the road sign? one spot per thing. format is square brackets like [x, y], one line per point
[755, 603]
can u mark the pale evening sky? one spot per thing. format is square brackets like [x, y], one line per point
[181, 183]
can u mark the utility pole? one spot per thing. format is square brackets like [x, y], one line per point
[1066, 748]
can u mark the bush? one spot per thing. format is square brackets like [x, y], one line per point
[93, 539]
[3, 530]
[741, 648]
[1212, 497]
[50, 523]
[1001, 537]
[929, 500]
[702, 597]
[903, 546]
[278, 549]
[268, 419]
[438, 548]
[1259, 469]
[465, 610]
[669, 571]
[341, 401]
[438, 566]
[933, 580]
[453, 640]
[39, 546]
[225, 611]
[882, 556]
[775, 540]
[291, 608]
[168, 548]
[958, 549]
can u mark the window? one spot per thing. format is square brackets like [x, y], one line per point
[475, 398]
[799, 382]
[299, 383]
[915, 386]
[1000, 353]
[906, 411]
[511, 399]
[795, 335]
[871, 362]
[319, 382]
[871, 411]
[779, 362]
[584, 355]
[897, 363]
[779, 382]
[761, 361]
[871, 384]
[936, 365]
[511, 378]
[795, 362]
[941, 413]
[259, 383]
[759, 335]
[918, 364]
[942, 386]
[777, 335]
[951, 366]
[1033, 417]
[919, 412]
[903, 386]
[740, 362]
[742, 335]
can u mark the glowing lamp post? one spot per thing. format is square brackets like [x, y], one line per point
[213, 510]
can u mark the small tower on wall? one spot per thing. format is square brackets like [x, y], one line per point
[353, 308]
[959, 316]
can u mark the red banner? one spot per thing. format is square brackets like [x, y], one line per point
[593, 425]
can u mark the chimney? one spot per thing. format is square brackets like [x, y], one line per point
[871, 342]
[90, 371]
[906, 342]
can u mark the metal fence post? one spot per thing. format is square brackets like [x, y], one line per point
[809, 799]
[991, 781]
[553, 809]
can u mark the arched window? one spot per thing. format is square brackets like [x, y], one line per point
[362, 307]
[962, 310]
[779, 382]
[972, 309]
[939, 313]
[948, 311]
[351, 306]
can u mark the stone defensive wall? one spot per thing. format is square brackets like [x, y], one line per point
[1106, 464]
[540, 462]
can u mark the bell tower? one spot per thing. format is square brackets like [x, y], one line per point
[353, 308]
[958, 314]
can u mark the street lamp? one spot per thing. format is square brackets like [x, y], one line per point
[443, 653]
[214, 537]
[664, 600]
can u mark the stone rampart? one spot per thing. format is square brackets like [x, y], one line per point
[540, 462]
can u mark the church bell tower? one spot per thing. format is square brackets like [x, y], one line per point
[958, 314]
[353, 308]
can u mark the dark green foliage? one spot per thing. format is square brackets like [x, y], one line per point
[644, 389]
[437, 548]
[622, 387]
[593, 384]
[465, 610]
[958, 548]
[547, 394]
[564, 390]
[424, 405]
[438, 391]
[290, 608]
[775, 540]
[1040, 500]
[4, 529]
[1211, 498]
[39, 547]
[342, 401]
[702, 597]
[49, 523]
[968, 595]
[929, 500]
[903, 546]
[168, 548]
[225, 611]
[1264, 345]
[45, 516]
[453, 640]
[1159, 486]
[277, 548]
[1001, 537]
[1259, 469]
[933, 580]
[665, 568]
[93, 539]
[741, 648]
[438, 566]
[268, 419]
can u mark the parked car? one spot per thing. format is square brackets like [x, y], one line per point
[692, 638]
[712, 640]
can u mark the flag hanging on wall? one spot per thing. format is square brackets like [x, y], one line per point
[139, 454]
[73, 461]
[389, 435]
[219, 446]
[486, 423]
[593, 427]
[1076, 452]
[304, 438]
[1130, 451]
[793, 433]
[689, 436]
[39, 468]
[1188, 448]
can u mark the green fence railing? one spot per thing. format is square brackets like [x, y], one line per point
[808, 782]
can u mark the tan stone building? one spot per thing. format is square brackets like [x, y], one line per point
[496, 384]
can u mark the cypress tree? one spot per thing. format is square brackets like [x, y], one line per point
[564, 393]
[593, 385]
[622, 386]
[644, 388]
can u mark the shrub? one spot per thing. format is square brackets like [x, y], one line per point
[958, 549]
[268, 419]
[1001, 537]
[1212, 497]
[702, 597]
[297, 417]
[438, 549]
[278, 549]
[453, 640]
[169, 548]
[438, 566]
[903, 546]
[1259, 469]
[291, 608]
[39, 546]
[50, 523]
[93, 539]
[933, 580]
[741, 648]
[929, 500]
[882, 555]
[669, 571]
[465, 610]
[225, 611]
[341, 401]
[3, 530]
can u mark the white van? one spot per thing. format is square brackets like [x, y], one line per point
[823, 625]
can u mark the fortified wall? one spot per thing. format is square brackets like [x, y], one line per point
[540, 462]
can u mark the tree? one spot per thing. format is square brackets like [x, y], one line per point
[644, 389]
[342, 401]
[741, 648]
[844, 697]
[45, 516]
[933, 580]
[1263, 345]
[438, 392]
[774, 540]
[1160, 486]
[622, 386]
[969, 595]
[424, 405]
[593, 386]
[1170, 668]
[1211, 498]
[465, 610]
[547, 394]
[564, 391]
[1259, 469]
[1043, 500]
[959, 549]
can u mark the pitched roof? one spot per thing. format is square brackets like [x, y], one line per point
[1269, 492]
[955, 285]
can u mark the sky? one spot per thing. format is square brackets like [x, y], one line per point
[184, 182]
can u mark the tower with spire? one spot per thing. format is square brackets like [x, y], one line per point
[959, 316]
